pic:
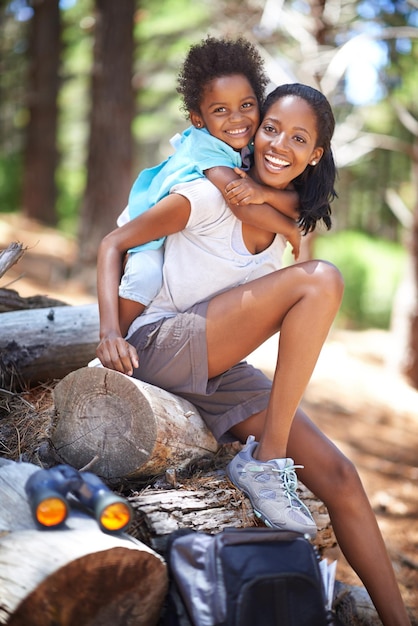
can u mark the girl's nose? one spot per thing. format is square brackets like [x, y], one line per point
[236, 115]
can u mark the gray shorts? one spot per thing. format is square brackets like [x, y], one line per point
[173, 356]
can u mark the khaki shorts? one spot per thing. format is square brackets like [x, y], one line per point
[172, 355]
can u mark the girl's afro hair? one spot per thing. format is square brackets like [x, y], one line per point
[214, 58]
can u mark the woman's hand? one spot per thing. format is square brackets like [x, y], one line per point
[117, 354]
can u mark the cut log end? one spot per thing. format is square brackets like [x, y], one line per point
[117, 586]
[102, 416]
[123, 428]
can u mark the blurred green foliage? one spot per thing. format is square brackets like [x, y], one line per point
[372, 269]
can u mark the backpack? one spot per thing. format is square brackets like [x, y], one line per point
[244, 577]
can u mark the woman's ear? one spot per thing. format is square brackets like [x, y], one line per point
[316, 156]
[196, 119]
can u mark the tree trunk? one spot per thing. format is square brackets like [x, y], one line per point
[40, 161]
[109, 175]
[411, 368]
[123, 428]
[38, 345]
[74, 575]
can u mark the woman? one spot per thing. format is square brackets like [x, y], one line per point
[223, 295]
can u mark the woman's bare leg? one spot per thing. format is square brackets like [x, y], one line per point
[334, 479]
[301, 301]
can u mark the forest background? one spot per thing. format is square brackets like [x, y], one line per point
[88, 98]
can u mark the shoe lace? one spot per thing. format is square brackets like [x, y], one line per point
[289, 481]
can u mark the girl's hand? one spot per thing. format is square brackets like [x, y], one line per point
[117, 354]
[244, 190]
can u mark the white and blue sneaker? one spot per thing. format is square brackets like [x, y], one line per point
[271, 487]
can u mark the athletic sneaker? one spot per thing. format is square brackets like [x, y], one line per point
[271, 487]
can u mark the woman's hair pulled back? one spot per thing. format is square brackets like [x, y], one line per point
[315, 185]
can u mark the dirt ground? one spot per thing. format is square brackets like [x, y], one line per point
[358, 399]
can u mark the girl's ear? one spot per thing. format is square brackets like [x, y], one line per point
[196, 119]
[316, 156]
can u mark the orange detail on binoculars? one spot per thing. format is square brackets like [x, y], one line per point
[51, 511]
[116, 516]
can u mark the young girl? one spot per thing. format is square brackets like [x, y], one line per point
[223, 295]
[222, 83]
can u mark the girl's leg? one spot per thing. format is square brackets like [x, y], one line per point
[128, 311]
[334, 479]
[301, 301]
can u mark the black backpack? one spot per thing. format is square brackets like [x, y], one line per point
[245, 577]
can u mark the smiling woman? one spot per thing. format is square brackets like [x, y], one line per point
[224, 294]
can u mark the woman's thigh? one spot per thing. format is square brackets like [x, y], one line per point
[241, 319]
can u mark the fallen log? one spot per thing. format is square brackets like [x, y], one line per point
[74, 575]
[209, 502]
[10, 300]
[122, 428]
[40, 345]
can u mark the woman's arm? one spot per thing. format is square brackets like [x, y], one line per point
[273, 210]
[168, 216]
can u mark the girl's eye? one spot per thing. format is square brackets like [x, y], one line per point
[247, 105]
[220, 110]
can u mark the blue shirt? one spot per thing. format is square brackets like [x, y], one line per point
[196, 151]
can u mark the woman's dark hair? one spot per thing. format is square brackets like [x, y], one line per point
[315, 185]
[214, 58]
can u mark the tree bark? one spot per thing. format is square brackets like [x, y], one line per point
[124, 428]
[109, 167]
[40, 345]
[40, 161]
[76, 575]
[411, 367]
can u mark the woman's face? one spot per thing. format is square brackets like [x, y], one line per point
[229, 110]
[285, 143]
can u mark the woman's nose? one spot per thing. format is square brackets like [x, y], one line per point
[280, 140]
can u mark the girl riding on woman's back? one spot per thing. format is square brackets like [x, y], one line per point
[222, 83]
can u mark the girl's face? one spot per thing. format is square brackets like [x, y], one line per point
[229, 110]
[285, 143]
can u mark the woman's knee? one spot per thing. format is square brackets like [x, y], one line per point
[328, 280]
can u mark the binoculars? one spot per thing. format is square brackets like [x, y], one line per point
[49, 490]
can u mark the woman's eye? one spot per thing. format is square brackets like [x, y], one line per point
[269, 129]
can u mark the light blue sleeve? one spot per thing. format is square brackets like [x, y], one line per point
[208, 151]
[196, 151]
